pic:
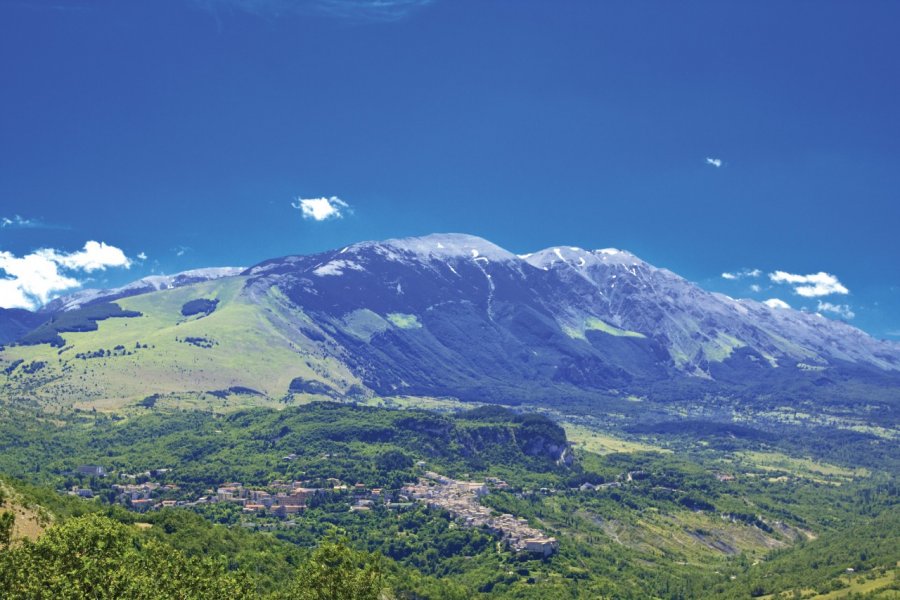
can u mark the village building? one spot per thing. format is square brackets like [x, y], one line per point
[542, 546]
[460, 499]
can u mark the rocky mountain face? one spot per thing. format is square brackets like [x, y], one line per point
[455, 315]
[447, 313]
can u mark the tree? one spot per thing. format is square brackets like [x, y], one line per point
[7, 523]
[95, 557]
[337, 572]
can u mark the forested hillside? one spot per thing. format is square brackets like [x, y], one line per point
[184, 492]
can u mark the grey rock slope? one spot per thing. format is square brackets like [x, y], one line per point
[457, 315]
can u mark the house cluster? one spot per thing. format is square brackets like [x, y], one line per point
[140, 496]
[81, 492]
[363, 499]
[86, 471]
[460, 499]
[279, 498]
[282, 498]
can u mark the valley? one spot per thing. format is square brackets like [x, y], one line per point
[708, 516]
[467, 422]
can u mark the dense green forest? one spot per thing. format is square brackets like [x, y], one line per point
[705, 521]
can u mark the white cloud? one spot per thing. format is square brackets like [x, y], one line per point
[322, 209]
[776, 303]
[716, 162]
[32, 279]
[755, 287]
[18, 222]
[741, 274]
[13, 296]
[842, 310]
[142, 256]
[811, 286]
[96, 256]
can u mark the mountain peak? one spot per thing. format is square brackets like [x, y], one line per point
[452, 314]
[440, 246]
[573, 256]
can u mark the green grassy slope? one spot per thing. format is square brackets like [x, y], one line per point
[163, 352]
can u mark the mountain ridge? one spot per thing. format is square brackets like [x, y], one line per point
[449, 315]
[438, 248]
[143, 285]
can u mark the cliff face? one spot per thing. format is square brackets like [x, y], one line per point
[490, 431]
[492, 434]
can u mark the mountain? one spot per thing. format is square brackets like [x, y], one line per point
[440, 315]
[16, 322]
[152, 283]
[445, 312]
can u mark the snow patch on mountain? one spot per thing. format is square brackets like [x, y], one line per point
[568, 284]
[439, 246]
[572, 256]
[337, 267]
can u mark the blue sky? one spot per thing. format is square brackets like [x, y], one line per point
[186, 131]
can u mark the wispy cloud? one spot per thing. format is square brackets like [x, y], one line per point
[322, 209]
[20, 222]
[181, 250]
[142, 256]
[811, 286]
[741, 274]
[842, 310]
[17, 222]
[32, 279]
[776, 303]
[715, 162]
[355, 10]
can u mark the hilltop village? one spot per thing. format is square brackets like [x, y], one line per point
[460, 499]
[282, 499]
